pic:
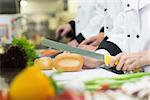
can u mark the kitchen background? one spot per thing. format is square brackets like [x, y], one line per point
[33, 18]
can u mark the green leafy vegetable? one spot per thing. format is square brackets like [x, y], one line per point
[28, 47]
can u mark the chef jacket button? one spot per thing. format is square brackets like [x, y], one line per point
[107, 27]
[128, 35]
[78, 21]
[137, 36]
[128, 5]
[105, 9]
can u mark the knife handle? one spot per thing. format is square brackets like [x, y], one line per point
[107, 59]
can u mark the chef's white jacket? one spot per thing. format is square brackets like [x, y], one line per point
[132, 28]
[92, 15]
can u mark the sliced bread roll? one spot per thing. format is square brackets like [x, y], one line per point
[68, 62]
[44, 63]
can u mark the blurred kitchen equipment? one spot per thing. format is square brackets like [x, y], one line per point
[9, 6]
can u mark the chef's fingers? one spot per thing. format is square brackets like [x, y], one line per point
[134, 66]
[122, 58]
[127, 63]
[64, 32]
[95, 43]
[114, 59]
[91, 62]
[82, 43]
[58, 32]
[73, 43]
[61, 31]
[98, 39]
[131, 67]
[87, 41]
[85, 47]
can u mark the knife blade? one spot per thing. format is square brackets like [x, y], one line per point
[65, 47]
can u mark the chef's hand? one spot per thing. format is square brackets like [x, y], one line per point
[62, 30]
[73, 43]
[94, 40]
[90, 62]
[88, 47]
[130, 61]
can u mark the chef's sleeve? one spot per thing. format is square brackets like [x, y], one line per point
[96, 22]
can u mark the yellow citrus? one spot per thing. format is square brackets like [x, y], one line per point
[31, 84]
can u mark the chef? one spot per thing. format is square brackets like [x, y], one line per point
[134, 34]
[131, 33]
[91, 19]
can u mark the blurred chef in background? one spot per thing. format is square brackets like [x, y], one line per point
[93, 16]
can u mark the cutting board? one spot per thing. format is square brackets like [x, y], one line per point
[83, 75]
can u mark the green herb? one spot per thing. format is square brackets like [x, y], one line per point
[28, 47]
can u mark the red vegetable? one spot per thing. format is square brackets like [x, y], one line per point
[104, 86]
[48, 52]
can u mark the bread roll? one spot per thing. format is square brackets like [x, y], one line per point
[68, 62]
[44, 63]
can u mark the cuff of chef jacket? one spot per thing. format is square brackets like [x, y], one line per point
[79, 38]
[113, 50]
[102, 29]
[72, 23]
[72, 34]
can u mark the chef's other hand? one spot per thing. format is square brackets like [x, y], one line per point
[88, 47]
[130, 61]
[62, 30]
[91, 63]
[94, 40]
[73, 43]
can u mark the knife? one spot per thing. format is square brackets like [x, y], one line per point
[65, 47]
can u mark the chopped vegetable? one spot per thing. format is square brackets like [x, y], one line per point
[114, 82]
[48, 52]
